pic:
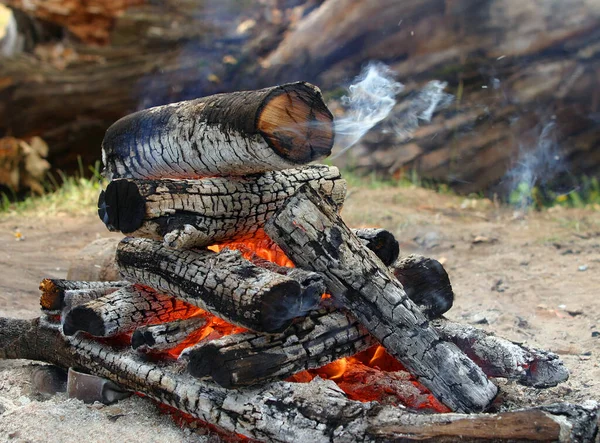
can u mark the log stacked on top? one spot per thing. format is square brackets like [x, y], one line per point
[229, 168]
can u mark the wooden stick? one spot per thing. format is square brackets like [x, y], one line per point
[123, 311]
[194, 213]
[311, 233]
[53, 290]
[290, 412]
[247, 359]
[162, 337]
[426, 283]
[223, 283]
[381, 242]
[236, 133]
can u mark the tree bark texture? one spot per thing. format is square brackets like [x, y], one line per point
[249, 359]
[188, 213]
[123, 311]
[164, 336]
[53, 290]
[289, 412]
[236, 133]
[314, 237]
[224, 283]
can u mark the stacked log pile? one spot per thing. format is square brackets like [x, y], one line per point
[279, 324]
[513, 66]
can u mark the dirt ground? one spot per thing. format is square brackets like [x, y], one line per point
[531, 278]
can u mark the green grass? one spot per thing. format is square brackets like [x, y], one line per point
[586, 195]
[72, 195]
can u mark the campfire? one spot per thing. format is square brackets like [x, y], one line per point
[248, 303]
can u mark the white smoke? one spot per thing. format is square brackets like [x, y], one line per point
[372, 98]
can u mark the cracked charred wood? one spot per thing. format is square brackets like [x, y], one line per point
[289, 412]
[164, 336]
[499, 357]
[234, 133]
[224, 283]
[312, 234]
[381, 241]
[247, 359]
[194, 213]
[54, 290]
[123, 311]
[426, 283]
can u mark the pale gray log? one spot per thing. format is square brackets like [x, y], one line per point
[290, 412]
[247, 359]
[123, 311]
[164, 336]
[312, 234]
[195, 213]
[224, 283]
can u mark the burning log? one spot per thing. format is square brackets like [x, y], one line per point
[381, 242]
[314, 237]
[123, 311]
[426, 283]
[54, 291]
[247, 359]
[222, 283]
[236, 133]
[289, 412]
[157, 338]
[193, 213]
[499, 357]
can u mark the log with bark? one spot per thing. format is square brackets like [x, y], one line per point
[289, 412]
[188, 213]
[55, 291]
[248, 359]
[314, 237]
[123, 311]
[164, 336]
[224, 283]
[237, 133]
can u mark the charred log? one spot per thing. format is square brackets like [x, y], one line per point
[223, 283]
[157, 338]
[314, 237]
[381, 242]
[289, 412]
[54, 290]
[426, 283]
[247, 359]
[189, 213]
[123, 311]
[236, 133]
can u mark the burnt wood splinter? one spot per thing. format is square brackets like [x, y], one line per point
[164, 336]
[224, 283]
[311, 233]
[236, 133]
[195, 213]
[289, 412]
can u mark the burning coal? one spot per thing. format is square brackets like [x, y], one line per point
[372, 98]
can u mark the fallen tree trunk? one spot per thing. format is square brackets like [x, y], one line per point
[123, 311]
[289, 412]
[193, 213]
[54, 290]
[165, 336]
[236, 133]
[314, 237]
[223, 283]
[248, 359]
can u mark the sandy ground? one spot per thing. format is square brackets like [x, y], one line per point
[532, 279]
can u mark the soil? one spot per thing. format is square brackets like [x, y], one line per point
[531, 277]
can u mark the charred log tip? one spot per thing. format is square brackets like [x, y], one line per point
[426, 283]
[52, 296]
[382, 242]
[296, 123]
[121, 207]
[141, 338]
[83, 319]
[281, 305]
[202, 360]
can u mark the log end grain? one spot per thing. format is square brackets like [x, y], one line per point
[84, 319]
[296, 123]
[121, 207]
[281, 304]
[52, 296]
